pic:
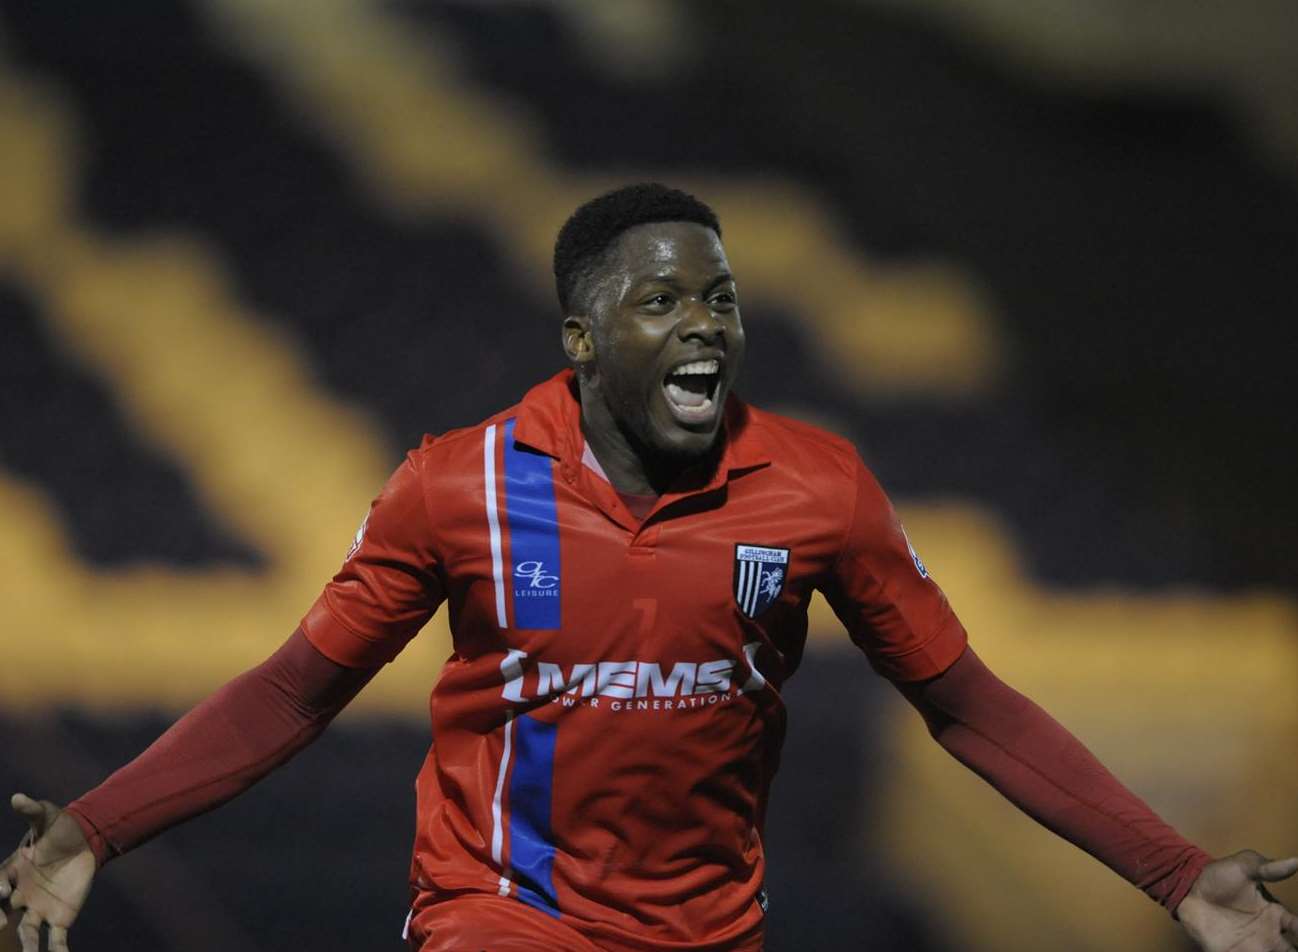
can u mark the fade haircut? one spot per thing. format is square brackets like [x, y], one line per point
[586, 237]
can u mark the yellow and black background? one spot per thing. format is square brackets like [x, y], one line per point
[1037, 260]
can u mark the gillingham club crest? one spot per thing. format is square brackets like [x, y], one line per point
[759, 577]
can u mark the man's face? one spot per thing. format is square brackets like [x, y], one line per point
[668, 342]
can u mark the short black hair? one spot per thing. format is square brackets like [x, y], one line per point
[593, 227]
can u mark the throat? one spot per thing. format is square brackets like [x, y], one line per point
[614, 457]
[631, 466]
[632, 469]
[638, 504]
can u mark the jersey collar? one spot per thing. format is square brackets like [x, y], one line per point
[549, 420]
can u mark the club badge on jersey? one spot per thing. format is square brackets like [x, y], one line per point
[759, 576]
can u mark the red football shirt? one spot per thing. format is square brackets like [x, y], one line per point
[606, 731]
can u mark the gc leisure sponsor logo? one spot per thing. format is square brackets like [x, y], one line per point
[633, 685]
[531, 580]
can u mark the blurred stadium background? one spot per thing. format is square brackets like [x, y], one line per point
[1037, 259]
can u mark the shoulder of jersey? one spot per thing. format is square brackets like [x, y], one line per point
[802, 447]
[465, 439]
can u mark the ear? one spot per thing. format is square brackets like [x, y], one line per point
[578, 341]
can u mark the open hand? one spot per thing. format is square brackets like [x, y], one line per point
[48, 877]
[1229, 910]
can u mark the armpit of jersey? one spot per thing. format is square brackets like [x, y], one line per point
[387, 588]
[891, 608]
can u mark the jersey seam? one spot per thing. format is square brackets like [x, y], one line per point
[253, 767]
[338, 620]
[933, 636]
[1069, 794]
[847, 532]
[428, 520]
[1090, 805]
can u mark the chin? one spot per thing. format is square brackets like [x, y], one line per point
[682, 444]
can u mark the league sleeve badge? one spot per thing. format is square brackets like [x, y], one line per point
[760, 572]
[358, 538]
[914, 557]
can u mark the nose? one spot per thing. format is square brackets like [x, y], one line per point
[700, 322]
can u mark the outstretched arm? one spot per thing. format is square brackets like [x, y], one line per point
[386, 590]
[219, 749]
[1043, 769]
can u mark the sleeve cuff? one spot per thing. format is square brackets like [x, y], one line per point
[927, 660]
[340, 644]
[98, 843]
[1189, 876]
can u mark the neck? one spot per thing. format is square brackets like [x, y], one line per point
[630, 466]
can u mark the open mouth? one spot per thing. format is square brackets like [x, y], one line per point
[692, 389]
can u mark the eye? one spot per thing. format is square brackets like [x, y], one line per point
[724, 301]
[659, 302]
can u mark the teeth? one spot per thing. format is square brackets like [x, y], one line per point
[697, 367]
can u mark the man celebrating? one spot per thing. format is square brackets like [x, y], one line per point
[628, 555]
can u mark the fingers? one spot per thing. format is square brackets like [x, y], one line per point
[6, 887]
[58, 939]
[1289, 927]
[32, 811]
[26, 806]
[1277, 869]
[29, 932]
[1275, 929]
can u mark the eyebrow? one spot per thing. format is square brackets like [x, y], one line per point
[670, 278]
